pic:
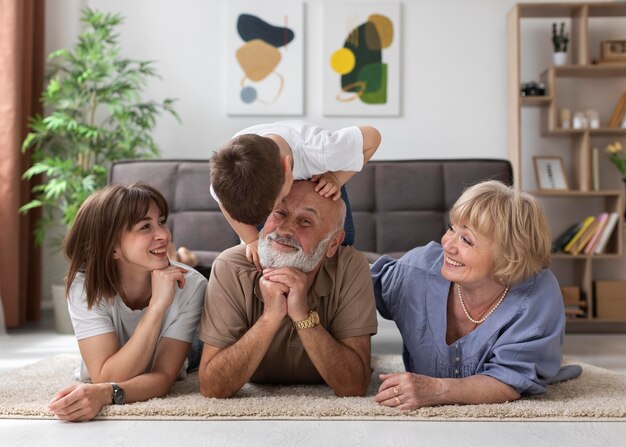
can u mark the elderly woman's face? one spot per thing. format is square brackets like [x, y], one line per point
[468, 256]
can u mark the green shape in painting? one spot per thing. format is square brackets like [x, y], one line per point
[375, 78]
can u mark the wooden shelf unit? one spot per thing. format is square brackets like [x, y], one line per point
[581, 67]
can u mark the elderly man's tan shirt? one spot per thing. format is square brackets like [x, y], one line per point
[341, 293]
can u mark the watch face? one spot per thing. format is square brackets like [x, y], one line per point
[119, 395]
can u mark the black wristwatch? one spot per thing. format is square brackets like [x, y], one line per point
[119, 395]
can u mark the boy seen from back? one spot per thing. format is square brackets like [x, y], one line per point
[256, 168]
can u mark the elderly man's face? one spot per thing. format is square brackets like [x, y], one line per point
[300, 232]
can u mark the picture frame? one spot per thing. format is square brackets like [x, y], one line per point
[264, 46]
[550, 173]
[362, 58]
[613, 50]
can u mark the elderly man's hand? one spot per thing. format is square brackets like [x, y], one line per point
[296, 283]
[274, 298]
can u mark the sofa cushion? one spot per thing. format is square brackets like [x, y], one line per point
[396, 205]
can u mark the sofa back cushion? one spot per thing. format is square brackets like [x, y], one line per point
[396, 205]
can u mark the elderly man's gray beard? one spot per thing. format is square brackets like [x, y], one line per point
[305, 262]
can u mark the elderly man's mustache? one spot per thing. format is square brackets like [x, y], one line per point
[285, 240]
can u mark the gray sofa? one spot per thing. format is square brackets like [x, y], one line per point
[396, 205]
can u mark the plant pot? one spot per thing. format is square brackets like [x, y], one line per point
[62, 321]
[559, 58]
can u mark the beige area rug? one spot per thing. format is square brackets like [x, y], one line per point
[598, 394]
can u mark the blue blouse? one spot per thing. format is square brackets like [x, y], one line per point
[519, 344]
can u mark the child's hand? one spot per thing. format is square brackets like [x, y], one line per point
[327, 185]
[252, 254]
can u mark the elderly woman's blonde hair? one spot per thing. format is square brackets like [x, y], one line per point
[514, 220]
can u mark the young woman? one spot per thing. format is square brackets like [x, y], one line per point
[135, 314]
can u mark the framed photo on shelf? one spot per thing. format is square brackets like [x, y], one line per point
[550, 173]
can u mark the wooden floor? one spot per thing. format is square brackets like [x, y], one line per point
[25, 346]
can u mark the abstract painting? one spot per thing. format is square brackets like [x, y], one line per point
[361, 58]
[264, 58]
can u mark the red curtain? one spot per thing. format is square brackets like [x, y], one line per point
[22, 61]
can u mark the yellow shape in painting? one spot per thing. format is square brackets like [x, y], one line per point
[384, 27]
[342, 61]
[257, 59]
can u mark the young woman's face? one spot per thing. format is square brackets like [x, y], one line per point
[468, 256]
[143, 248]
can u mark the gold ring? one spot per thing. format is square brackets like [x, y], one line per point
[395, 390]
[398, 400]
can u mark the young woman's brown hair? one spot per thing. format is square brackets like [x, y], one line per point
[97, 228]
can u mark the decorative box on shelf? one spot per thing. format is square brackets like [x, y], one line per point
[574, 305]
[610, 299]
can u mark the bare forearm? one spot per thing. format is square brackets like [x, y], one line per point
[341, 367]
[478, 389]
[132, 359]
[229, 370]
[137, 389]
[343, 176]
[147, 386]
[371, 141]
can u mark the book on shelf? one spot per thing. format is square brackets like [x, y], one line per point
[606, 234]
[585, 224]
[591, 245]
[617, 118]
[584, 238]
[560, 242]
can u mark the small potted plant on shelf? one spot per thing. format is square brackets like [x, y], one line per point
[94, 116]
[618, 158]
[560, 39]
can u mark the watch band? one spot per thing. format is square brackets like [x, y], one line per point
[311, 321]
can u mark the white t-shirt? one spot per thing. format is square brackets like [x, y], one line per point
[315, 150]
[180, 321]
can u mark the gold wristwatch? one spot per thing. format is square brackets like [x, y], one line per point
[311, 321]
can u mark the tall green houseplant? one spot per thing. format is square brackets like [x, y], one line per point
[95, 116]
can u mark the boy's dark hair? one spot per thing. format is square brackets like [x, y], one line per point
[247, 176]
[96, 231]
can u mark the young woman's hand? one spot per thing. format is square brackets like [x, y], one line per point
[164, 283]
[327, 185]
[80, 402]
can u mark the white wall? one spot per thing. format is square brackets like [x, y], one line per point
[453, 78]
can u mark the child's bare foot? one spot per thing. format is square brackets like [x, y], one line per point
[187, 256]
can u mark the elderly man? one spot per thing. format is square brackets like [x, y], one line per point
[307, 318]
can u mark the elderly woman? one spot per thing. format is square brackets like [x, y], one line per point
[481, 318]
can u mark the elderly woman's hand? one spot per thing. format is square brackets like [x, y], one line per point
[407, 391]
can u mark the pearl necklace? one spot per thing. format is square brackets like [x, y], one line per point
[458, 289]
